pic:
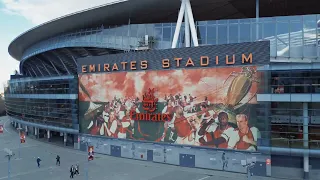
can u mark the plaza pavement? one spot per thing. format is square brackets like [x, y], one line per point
[102, 168]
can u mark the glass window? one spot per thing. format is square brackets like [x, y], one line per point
[158, 25]
[202, 34]
[211, 34]
[296, 43]
[141, 30]
[253, 30]
[150, 29]
[233, 33]
[133, 30]
[222, 34]
[202, 23]
[309, 27]
[211, 22]
[283, 39]
[245, 33]
[158, 33]
[166, 24]
[167, 34]
[222, 22]
[233, 21]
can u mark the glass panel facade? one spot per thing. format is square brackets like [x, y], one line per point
[58, 86]
[286, 124]
[56, 112]
[289, 36]
[291, 81]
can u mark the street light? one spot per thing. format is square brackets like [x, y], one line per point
[86, 142]
[249, 164]
[19, 129]
[9, 155]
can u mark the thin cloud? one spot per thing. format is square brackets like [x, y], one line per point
[40, 11]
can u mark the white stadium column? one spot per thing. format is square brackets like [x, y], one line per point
[186, 11]
[191, 22]
[186, 30]
[178, 26]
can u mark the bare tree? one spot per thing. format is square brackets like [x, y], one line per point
[16, 72]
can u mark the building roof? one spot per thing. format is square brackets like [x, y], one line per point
[156, 11]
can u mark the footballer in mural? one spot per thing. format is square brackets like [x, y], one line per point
[213, 107]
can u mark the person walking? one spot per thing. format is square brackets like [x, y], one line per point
[38, 162]
[71, 171]
[77, 169]
[58, 160]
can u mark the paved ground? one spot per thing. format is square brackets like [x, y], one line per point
[102, 168]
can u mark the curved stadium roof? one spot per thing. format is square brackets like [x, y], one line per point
[157, 11]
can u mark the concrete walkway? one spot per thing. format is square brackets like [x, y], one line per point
[102, 168]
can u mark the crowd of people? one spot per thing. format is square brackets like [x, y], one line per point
[194, 122]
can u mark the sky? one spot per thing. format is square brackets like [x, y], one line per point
[18, 16]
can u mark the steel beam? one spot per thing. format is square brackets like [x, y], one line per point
[38, 69]
[29, 72]
[44, 66]
[72, 56]
[33, 70]
[53, 65]
[57, 55]
[89, 53]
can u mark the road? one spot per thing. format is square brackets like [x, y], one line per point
[102, 168]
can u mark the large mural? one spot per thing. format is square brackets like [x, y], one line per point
[213, 107]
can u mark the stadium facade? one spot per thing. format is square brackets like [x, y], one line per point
[207, 84]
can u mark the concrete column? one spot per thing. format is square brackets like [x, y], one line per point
[26, 130]
[48, 135]
[65, 138]
[36, 132]
[306, 140]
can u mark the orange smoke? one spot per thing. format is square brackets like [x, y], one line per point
[200, 83]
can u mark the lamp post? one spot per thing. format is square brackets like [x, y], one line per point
[249, 164]
[87, 142]
[9, 155]
[19, 129]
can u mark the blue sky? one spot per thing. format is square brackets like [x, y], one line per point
[17, 16]
[11, 26]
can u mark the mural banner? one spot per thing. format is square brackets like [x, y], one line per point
[212, 107]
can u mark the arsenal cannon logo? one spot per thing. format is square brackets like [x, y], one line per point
[149, 105]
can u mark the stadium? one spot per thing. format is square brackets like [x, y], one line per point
[214, 84]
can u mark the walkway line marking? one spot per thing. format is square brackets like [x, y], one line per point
[4, 126]
[204, 178]
[24, 147]
[29, 172]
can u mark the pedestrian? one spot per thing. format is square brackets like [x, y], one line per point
[71, 171]
[77, 169]
[38, 162]
[58, 160]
